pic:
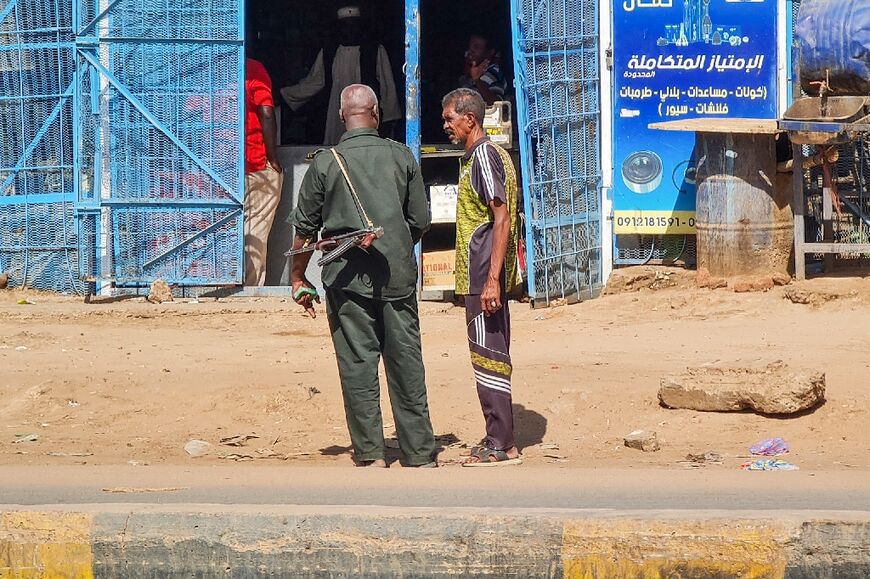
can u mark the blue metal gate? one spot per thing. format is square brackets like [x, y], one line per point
[39, 241]
[121, 131]
[556, 50]
[159, 122]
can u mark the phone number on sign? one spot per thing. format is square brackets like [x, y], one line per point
[641, 221]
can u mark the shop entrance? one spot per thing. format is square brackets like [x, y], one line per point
[295, 39]
[454, 36]
[448, 28]
[298, 43]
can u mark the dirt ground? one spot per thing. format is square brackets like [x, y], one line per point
[132, 382]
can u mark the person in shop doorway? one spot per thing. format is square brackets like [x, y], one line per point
[482, 71]
[371, 300]
[486, 258]
[263, 172]
[356, 59]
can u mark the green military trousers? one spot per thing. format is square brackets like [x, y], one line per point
[364, 329]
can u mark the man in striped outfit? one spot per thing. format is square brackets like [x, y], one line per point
[482, 70]
[486, 258]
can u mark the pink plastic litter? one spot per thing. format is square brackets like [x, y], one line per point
[770, 447]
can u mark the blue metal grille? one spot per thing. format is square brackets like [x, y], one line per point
[39, 242]
[556, 51]
[642, 249]
[162, 117]
[120, 142]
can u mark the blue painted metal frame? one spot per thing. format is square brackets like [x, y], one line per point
[792, 52]
[121, 207]
[54, 204]
[412, 76]
[160, 126]
[40, 134]
[521, 80]
[412, 99]
[552, 107]
[38, 239]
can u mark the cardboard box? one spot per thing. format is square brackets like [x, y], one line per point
[442, 200]
[439, 269]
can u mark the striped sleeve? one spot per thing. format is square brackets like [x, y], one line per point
[494, 81]
[488, 174]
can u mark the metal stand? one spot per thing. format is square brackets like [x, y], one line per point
[801, 247]
[798, 210]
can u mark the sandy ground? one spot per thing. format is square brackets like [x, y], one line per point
[132, 382]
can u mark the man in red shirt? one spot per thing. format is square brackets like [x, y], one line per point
[263, 172]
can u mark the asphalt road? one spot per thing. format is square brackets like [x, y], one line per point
[711, 488]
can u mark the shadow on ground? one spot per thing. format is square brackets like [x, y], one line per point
[530, 427]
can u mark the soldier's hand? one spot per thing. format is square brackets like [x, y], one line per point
[366, 242]
[306, 296]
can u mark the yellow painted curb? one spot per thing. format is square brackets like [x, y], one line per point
[45, 545]
[617, 548]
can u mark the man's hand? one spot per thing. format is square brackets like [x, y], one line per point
[478, 69]
[366, 242]
[305, 295]
[490, 297]
[276, 165]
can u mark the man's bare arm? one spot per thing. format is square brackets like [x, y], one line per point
[490, 297]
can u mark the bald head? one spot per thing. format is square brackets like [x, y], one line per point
[359, 107]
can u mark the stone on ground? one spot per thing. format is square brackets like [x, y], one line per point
[196, 447]
[771, 389]
[160, 292]
[645, 278]
[643, 440]
[703, 279]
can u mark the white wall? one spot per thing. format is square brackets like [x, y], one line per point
[606, 100]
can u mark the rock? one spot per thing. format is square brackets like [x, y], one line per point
[196, 447]
[760, 284]
[237, 440]
[771, 389]
[711, 456]
[704, 279]
[781, 279]
[763, 284]
[640, 278]
[814, 298]
[160, 292]
[643, 440]
[4, 280]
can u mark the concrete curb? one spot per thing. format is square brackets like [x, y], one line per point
[287, 541]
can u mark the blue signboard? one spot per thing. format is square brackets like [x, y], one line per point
[673, 60]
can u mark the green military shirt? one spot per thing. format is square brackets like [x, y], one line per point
[390, 188]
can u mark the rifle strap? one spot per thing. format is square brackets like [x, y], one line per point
[362, 212]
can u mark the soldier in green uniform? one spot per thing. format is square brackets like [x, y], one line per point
[371, 300]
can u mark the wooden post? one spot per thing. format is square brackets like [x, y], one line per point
[798, 209]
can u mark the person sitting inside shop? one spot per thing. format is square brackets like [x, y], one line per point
[482, 70]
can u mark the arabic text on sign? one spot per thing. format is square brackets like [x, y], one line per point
[669, 62]
[721, 63]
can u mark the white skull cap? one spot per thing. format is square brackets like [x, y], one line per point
[348, 12]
